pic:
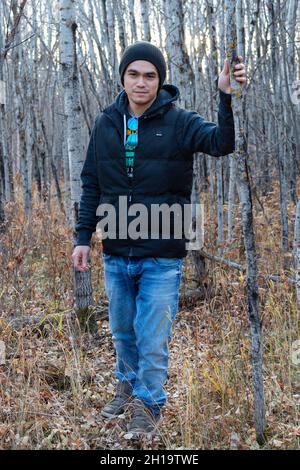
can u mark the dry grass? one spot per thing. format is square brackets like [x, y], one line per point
[54, 384]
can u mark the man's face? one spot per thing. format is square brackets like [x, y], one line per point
[141, 81]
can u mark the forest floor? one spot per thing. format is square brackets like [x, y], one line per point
[53, 384]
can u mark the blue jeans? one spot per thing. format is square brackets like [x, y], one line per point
[143, 296]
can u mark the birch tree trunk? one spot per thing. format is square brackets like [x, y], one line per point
[296, 250]
[231, 194]
[5, 45]
[213, 87]
[288, 35]
[132, 11]
[279, 131]
[111, 26]
[68, 59]
[144, 4]
[66, 169]
[244, 192]
[182, 75]
[3, 149]
[118, 13]
[29, 138]
[98, 11]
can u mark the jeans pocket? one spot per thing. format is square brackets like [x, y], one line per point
[167, 262]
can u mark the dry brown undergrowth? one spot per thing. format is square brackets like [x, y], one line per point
[53, 384]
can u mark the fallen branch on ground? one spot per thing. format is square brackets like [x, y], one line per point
[235, 265]
[39, 321]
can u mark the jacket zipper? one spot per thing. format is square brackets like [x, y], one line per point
[132, 179]
[131, 185]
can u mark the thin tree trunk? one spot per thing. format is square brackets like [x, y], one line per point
[277, 101]
[119, 12]
[182, 75]
[213, 88]
[112, 44]
[144, 4]
[231, 194]
[66, 171]
[5, 45]
[132, 14]
[83, 286]
[296, 250]
[244, 192]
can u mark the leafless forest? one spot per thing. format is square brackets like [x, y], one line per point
[235, 354]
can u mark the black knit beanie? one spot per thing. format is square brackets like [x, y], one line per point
[143, 50]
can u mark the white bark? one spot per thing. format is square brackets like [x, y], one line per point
[277, 107]
[296, 250]
[119, 12]
[181, 73]
[293, 5]
[231, 193]
[67, 187]
[240, 30]
[144, 4]
[68, 59]
[244, 192]
[132, 14]
[5, 44]
[112, 44]
[213, 77]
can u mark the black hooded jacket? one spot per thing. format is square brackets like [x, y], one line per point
[168, 136]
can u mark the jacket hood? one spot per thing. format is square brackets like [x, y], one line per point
[166, 96]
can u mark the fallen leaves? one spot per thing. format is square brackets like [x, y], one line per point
[52, 392]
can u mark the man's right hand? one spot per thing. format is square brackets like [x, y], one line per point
[80, 258]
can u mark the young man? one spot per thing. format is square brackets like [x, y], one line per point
[141, 149]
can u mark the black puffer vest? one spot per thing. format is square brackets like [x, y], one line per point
[163, 169]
